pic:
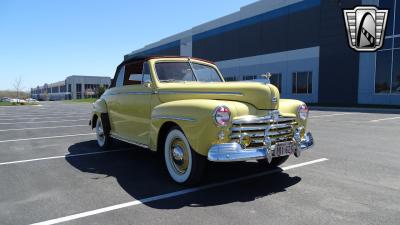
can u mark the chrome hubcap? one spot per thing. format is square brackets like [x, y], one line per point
[179, 155]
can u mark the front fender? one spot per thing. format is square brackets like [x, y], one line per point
[194, 117]
[288, 107]
[98, 107]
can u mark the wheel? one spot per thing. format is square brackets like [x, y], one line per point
[103, 140]
[184, 165]
[275, 161]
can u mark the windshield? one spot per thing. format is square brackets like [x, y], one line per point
[186, 71]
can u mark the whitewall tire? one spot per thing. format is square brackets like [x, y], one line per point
[184, 165]
[103, 140]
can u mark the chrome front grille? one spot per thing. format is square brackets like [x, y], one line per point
[278, 130]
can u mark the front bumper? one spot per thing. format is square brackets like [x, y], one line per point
[231, 152]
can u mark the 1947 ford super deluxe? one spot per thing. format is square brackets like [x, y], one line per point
[182, 108]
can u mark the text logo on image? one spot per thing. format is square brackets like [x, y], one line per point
[365, 27]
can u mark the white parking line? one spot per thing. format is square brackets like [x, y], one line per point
[390, 118]
[172, 194]
[54, 121]
[48, 117]
[336, 114]
[51, 137]
[62, 156]
[38, 128]
[13, 114]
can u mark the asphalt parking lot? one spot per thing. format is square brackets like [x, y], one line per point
[52, 172]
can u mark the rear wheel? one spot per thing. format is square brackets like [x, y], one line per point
[184, 165]
[103, 139]
[275, 162]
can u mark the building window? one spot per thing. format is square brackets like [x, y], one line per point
[383, 71]
[397, 28]
[396, 72]
[230, 79]
[276, 79]
[78, 91]
[302, 82]
[388, 4]
[250, 77]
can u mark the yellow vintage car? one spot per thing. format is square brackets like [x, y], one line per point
[182, 108]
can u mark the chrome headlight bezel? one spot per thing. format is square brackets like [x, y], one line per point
[302, 112]
[222, 109]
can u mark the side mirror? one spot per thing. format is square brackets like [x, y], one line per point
[147, 84]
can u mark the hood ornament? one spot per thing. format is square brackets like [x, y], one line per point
[267, 77]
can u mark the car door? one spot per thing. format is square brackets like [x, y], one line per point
[111, 98]
[133, 103]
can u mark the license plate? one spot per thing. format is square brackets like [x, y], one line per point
[284, 148]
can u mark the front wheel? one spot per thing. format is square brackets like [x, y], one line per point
[184, 165]
[103, 140]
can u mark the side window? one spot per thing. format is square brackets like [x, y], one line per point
[120, 77]
[302, 82]
[133, 73]
[146, 73]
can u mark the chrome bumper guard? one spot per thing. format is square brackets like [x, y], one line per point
[231, 152]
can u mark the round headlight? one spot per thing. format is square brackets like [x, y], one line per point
[222, 115]
[302, 112]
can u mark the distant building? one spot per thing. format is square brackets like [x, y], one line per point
[73, 87]
[303, 44]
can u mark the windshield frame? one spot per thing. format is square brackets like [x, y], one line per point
[191, 62]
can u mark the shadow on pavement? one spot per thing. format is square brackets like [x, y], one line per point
[141, 174]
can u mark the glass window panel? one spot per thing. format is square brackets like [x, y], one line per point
[387, 43]
[174, 71]
[397, 28]
[302, 82]
[294, 83]
[309, 83]
[396, 72]
[388, 4]
[146, 73]
[397, 40]
[205, 73]
[383, 70]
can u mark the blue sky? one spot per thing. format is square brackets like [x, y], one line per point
[47, 40]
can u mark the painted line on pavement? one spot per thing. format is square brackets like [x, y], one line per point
[14, 114]
[51, 137]
[63, 156]
[384, 119]
[336, 114]
[55, 121]
[46, 117]
[38, 128]
[173, 194]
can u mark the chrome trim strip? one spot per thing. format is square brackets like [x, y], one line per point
[200, 92]
[266, 119]
[174, 118]
[137, 93]
[263, 134]
[260, 128]
[128, 141]
[130, 93]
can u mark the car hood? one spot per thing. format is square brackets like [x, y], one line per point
[262, 96]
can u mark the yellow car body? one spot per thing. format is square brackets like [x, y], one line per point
[142, 113]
